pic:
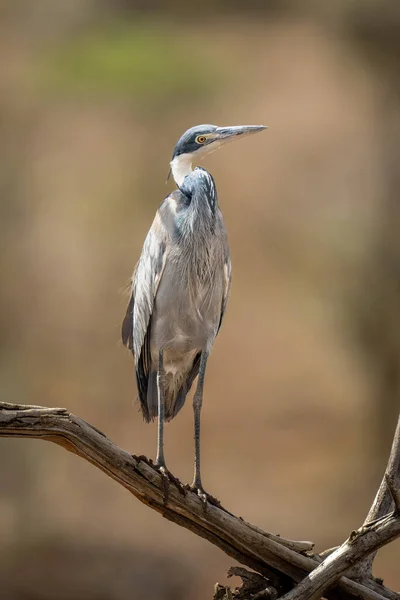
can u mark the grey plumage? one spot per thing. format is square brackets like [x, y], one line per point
[179, 292]
[180, 288]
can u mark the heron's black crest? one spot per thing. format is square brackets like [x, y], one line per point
[187, 143]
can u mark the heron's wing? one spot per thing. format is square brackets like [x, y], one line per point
[127, 323]
[227, 279]
[136, 327]
[227, 272]
[146, 281]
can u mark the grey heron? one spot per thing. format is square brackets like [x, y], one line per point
[180, 288]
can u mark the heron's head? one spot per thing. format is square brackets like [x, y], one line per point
[198, 141]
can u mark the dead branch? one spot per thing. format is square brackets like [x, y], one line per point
[362, 543]
[383, 503]
[282, 562]
[388, 491]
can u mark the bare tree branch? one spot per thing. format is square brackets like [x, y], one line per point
[279, 560]
[383, 502]
[362, 543]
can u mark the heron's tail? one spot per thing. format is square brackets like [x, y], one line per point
[176, 386]
[150, 404]
[179, 401]
[174, 398]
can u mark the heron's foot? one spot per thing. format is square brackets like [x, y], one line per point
[162, 469]
[169, 478]
[204, 496]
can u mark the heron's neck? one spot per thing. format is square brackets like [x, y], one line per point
[180, 167]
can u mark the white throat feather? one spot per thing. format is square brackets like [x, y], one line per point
[180, 167]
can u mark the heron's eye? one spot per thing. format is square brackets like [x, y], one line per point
[201, 139]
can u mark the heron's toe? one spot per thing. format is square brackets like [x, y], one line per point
[169, 478]
[204, 496]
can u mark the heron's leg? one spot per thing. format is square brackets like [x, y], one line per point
[160, 460]
[197, 402]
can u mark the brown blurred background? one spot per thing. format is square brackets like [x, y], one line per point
[302, 391]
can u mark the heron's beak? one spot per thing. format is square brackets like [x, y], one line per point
[224, 134]
[227, 132]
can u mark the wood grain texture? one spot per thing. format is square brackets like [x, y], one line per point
[283, 562]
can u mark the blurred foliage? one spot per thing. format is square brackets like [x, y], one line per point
[140, 58]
